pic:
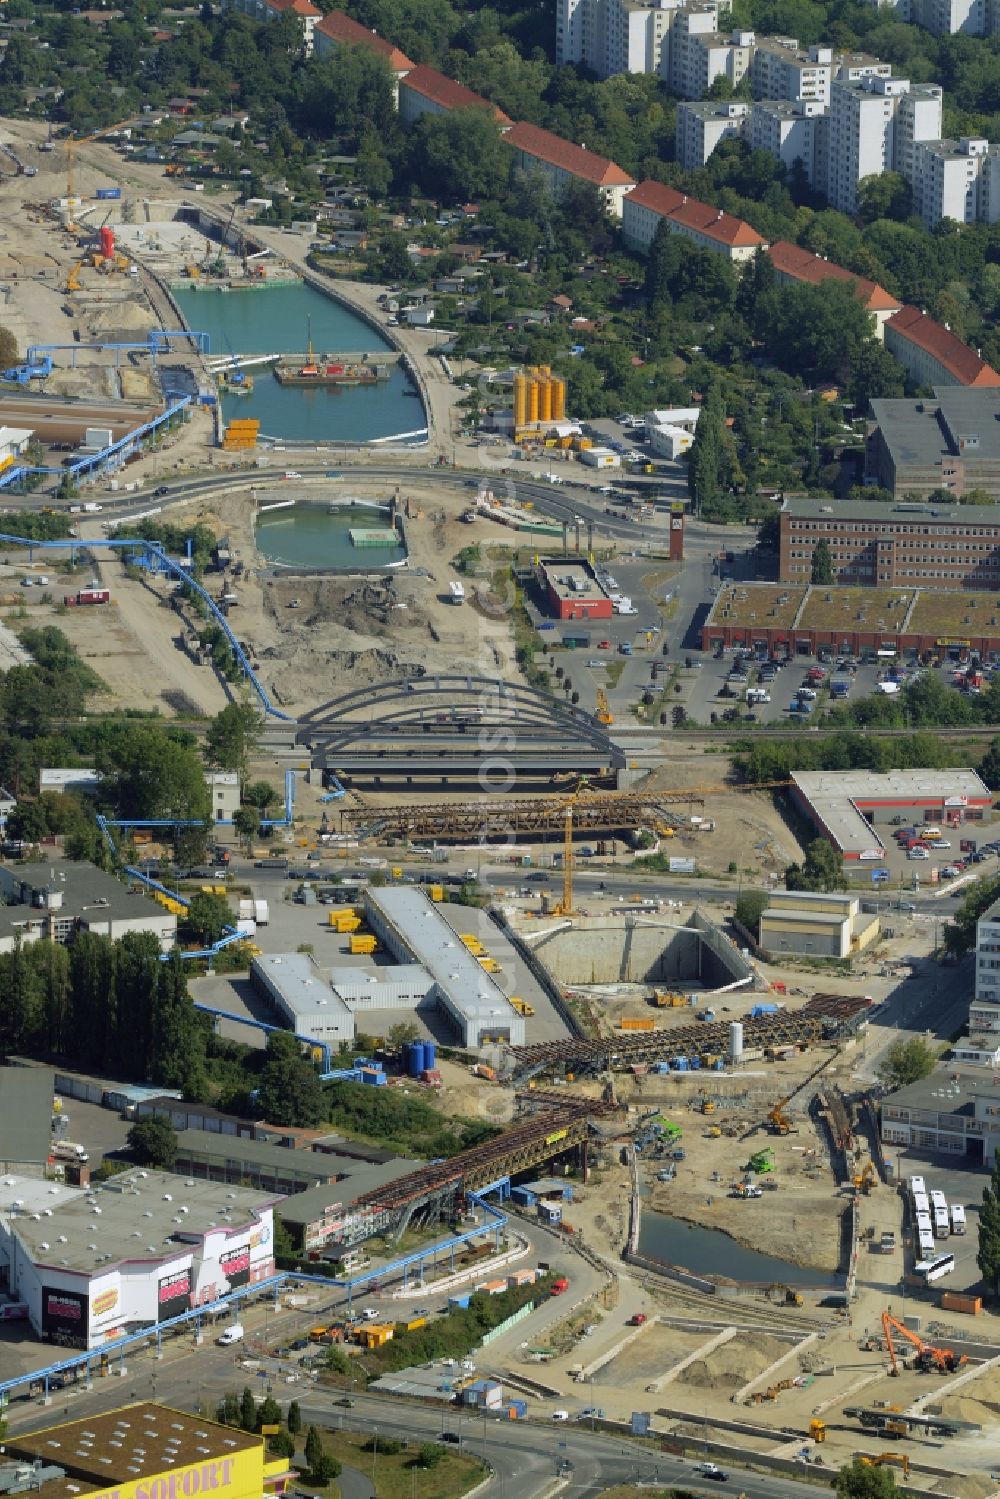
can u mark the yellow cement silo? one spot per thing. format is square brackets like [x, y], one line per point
[533, 401]
[520, 401]
[558, 398]
[544, 398]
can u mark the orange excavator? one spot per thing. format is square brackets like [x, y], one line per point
[944, 1360]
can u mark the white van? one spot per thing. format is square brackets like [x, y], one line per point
[232, 1334]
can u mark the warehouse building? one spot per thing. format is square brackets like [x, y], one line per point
[296, 988]
[953, 1113]
[325, 1219]
[789, 620]
[845, 805]
[26, 1098]
[825, 925]
[147, 1451]
[572, 589]
[94, 1264]
[59, 899]
[414, 930]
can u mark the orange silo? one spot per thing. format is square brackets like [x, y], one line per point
[558, 398]
[520, 401]
[544, 399]
[533, 399]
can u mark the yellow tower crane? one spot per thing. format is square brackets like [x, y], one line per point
[72, 146]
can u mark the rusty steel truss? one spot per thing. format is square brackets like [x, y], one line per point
[490, 818]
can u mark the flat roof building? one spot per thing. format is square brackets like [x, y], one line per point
[817, 923]
[414, 930]
[295, 985]
[573, 590]
[845, 805]
[26, 1098]
[947, 1113]
[58, 899]
[92, 1264]
[950, 442]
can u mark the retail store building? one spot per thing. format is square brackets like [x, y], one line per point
[848, 807]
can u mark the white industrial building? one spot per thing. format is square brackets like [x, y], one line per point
[293, 983]
[92, 1264]
[951, 1112]
[414, 930]
[224, 787]
[59, 899]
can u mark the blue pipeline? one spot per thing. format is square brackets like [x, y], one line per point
[101, 460]
[157, 342]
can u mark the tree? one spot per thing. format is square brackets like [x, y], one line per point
[231, 736]
[8, 343]
[268, 1412]
[153, 1142]
[260, 794]
[248, 1410]
[324, 1470]
[821, 870]
[208, 915]
[294, 1421]
[228, 1410]
[289, 1091]
[822, 563]
[886, 195]
[856, 1481]
[281, 1444]
[429, 1454]
[314, 1447]
[150, 772]
[988, 1255]
[960, 932]
[989, 766]
[750, 906]
[460, 154]
[401, 1035]
[906, 1062]
[247, 825]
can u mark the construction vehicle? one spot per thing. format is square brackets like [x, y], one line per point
[714, 1132]
[73, 279]
[707, 1106]
[943, 1360]
[817, 1430]
[761, 1161]
[565, 906]
[777, 1120]
[865, 1179]
[890, 1421]
[887, 1460]
[664, 999]
[604, 714]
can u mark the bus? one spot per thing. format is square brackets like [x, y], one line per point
[921, 1204]
[942, 1227]
[957, 1218]
[931, 1269]
[917, 1186]
[925, 1243]
[938, 1200]
[925, 1225]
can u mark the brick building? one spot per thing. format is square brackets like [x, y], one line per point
[573, 590]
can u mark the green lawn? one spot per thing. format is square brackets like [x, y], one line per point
[398, 1474]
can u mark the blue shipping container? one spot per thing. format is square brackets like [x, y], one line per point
[108, 193]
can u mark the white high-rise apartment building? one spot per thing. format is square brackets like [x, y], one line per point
[793, 132]
[945, 179]
[780, 69]
[698, 54]
[874, 126]
[615, 36]
[702, 126]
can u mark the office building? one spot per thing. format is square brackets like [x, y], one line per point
[950, 1112]
[92, 1264]
[947, 443]
[652, 204]
[572, 589]
[59, 899]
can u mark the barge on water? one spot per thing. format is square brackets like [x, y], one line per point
[327, 370]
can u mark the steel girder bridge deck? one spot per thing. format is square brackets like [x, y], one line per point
[435, 727]
[551, 1125]
[486, 818]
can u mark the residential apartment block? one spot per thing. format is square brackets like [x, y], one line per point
[267, 10]
[793, 264]
[614, 36]
[426, 91]
[703, 126]
[874, 125]
[932, 355]
[696, 53]
[947, 17]
[987, 992]
[560, 163]
[652, 204]
[797, 133]
[780, 69]
[338, 29]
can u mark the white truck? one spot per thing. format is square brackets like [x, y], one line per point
[254, 911]
[232, 1334]
[68, 1150]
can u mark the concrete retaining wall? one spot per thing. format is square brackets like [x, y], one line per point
[764, 1376]
[702, 1351]
[597, 952]
[539, 972]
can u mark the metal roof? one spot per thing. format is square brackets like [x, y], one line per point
[26, 1112]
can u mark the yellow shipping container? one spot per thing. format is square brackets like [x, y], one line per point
[363, 945]
[436, 892]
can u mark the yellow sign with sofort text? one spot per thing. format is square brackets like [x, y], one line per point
[236, 1477]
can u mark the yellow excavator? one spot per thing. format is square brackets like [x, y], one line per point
[865, 1179]
[887, 1460]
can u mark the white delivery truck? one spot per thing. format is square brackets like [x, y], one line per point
[232, 1334]
[68, 1150]
[260, 912]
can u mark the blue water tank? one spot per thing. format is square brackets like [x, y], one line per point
[430, 1055]
[414, 1059]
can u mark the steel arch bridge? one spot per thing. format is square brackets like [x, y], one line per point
[438, 725]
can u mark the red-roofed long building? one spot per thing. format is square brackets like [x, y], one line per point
[267, 10]
[338, 29]
[652, 204]
[560, 163]
[932, 355]
[426, 91]
[792, 263]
